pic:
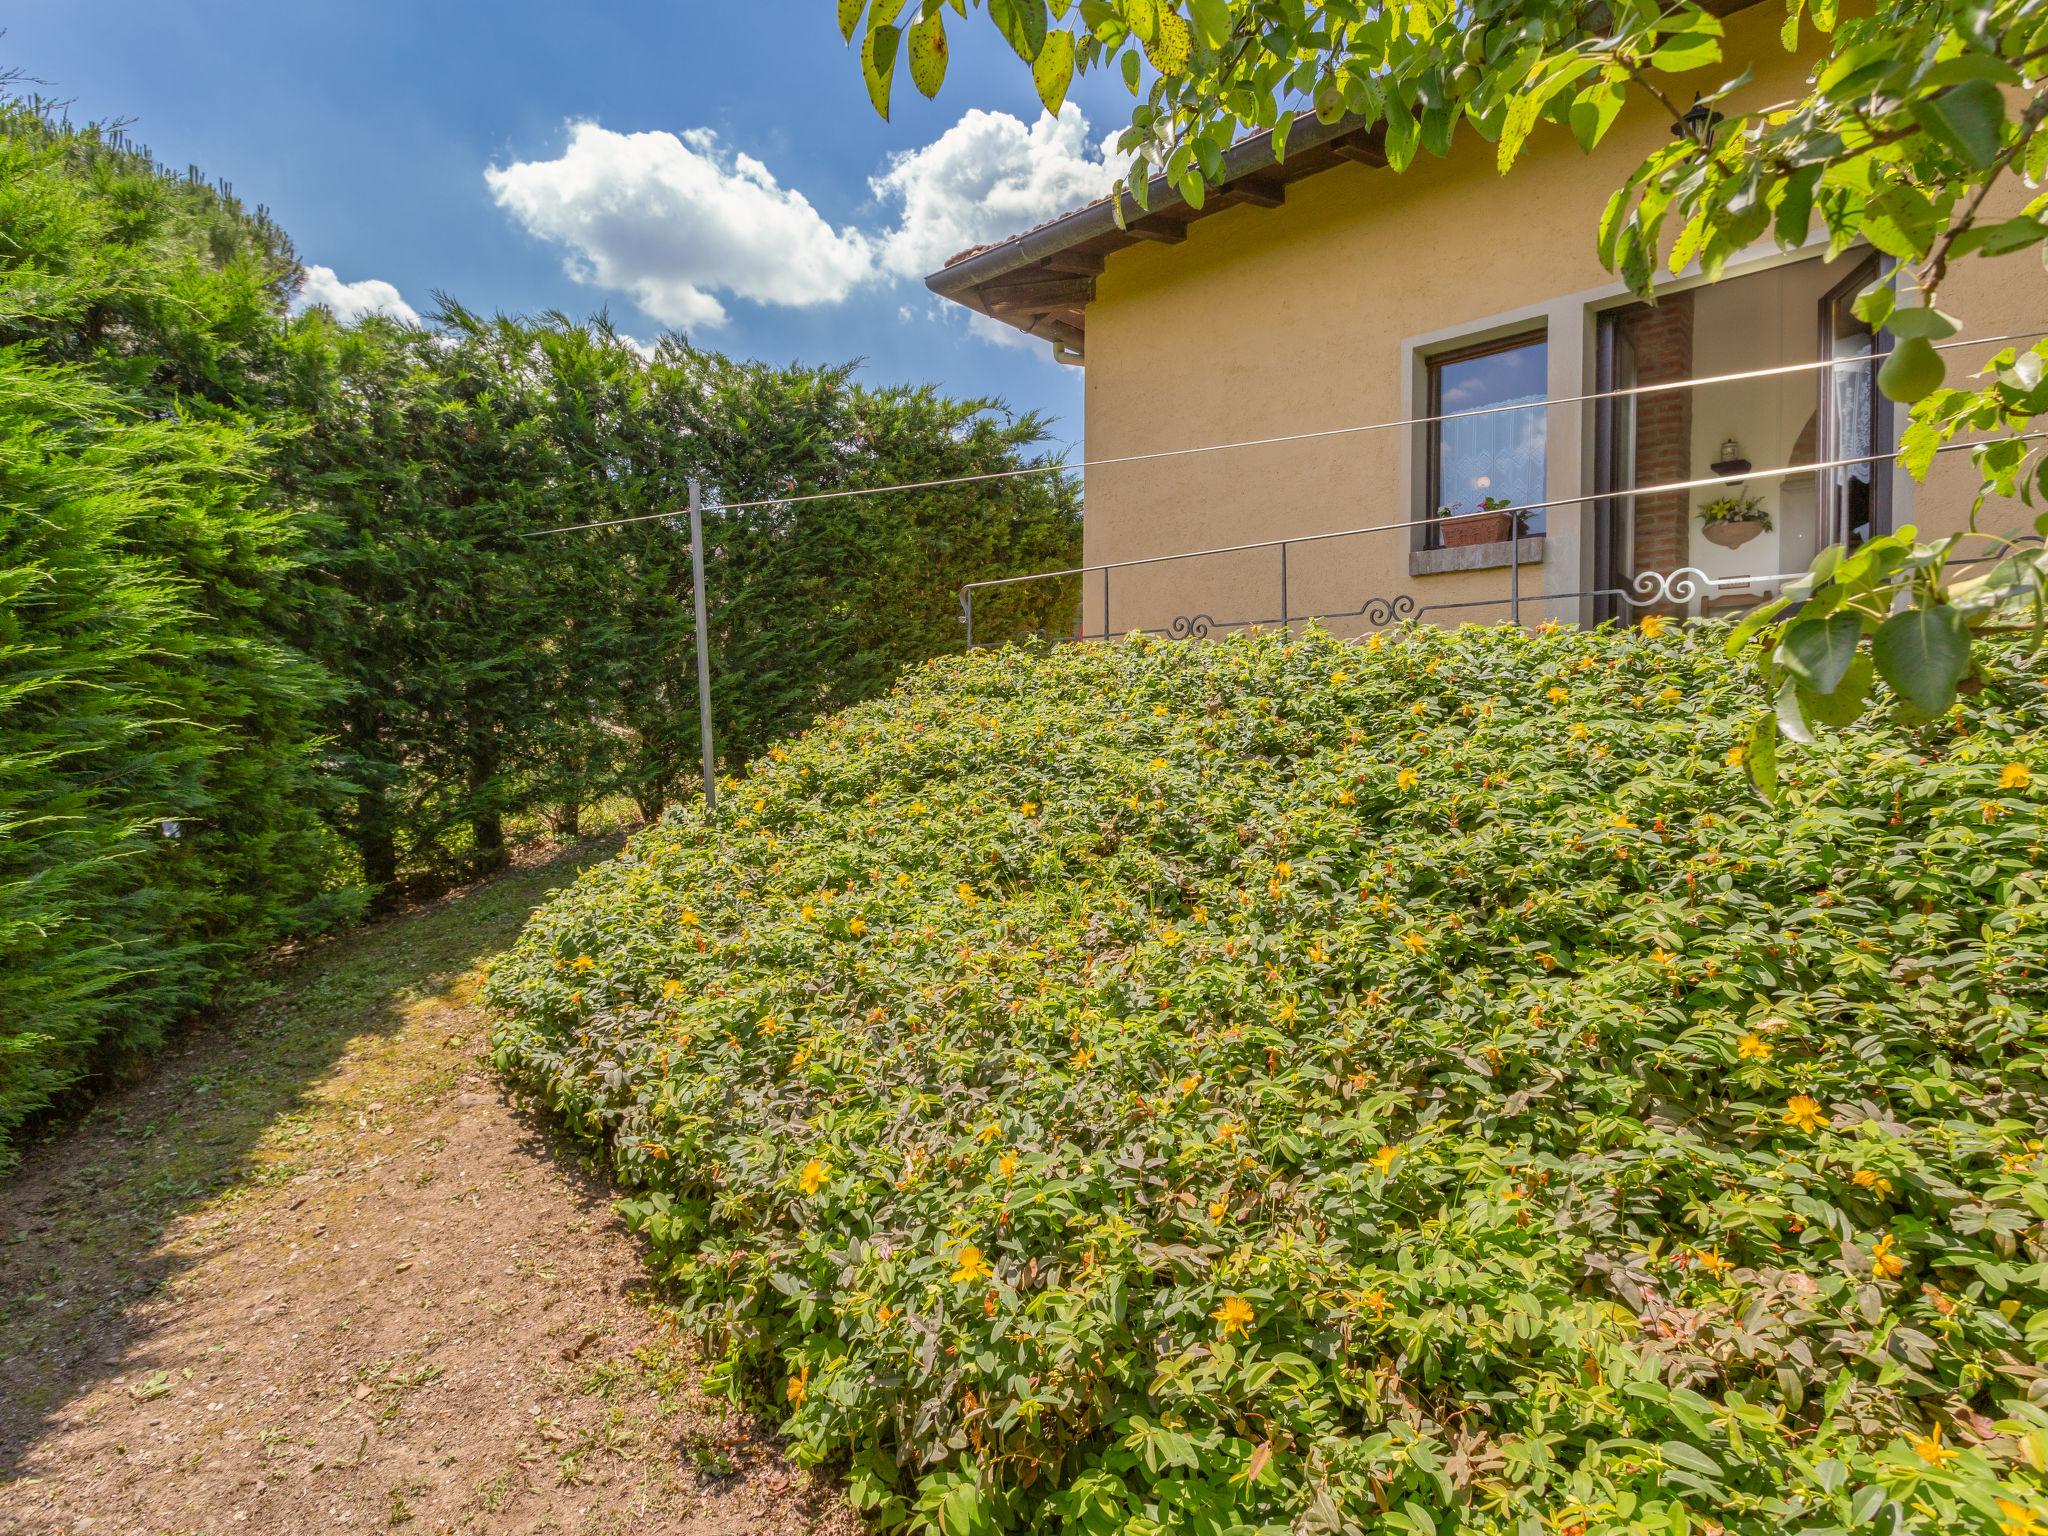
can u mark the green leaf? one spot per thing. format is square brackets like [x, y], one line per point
[1967, 119]
[1594, 111]
[849, 16]
[1841, 708]
[1686, 51]
[1874, 305]
[1023, 23]
[1402, 136]
[1053, 71]
[1212, 20]
[1818, 651]
[1791, 719]
[928, 54]
[1925, 322]
[1923, 653]
[878, 64]
[1760, 755]
[1795, 207]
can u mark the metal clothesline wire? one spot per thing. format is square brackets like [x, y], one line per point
[1632, 391]
[1668, 487]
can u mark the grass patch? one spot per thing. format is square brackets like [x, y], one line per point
[1408, 1088]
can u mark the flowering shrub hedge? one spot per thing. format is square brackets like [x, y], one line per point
[1409, 1087]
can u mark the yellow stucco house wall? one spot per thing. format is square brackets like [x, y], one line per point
[1316, 304]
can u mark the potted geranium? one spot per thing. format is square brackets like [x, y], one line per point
[1493, 521]
[1733, 520]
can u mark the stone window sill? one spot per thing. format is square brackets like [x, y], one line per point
[1475, 557]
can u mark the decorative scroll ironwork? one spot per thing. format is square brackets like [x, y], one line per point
[1382, 611]
[1194, 626]
[1688, 583]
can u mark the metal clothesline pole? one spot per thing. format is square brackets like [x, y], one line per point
[703, 647]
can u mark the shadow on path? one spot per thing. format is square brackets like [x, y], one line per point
[221, 1113]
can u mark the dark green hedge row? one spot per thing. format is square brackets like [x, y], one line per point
[267, 580]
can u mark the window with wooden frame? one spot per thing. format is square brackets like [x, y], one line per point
[1493, 460]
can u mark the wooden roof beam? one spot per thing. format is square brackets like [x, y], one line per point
[1161, 230]
[1253, 194]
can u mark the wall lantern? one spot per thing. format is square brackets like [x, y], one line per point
[1698, 124]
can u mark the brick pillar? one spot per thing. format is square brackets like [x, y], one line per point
[1662, 333]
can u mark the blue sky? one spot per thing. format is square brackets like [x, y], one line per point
[721, 179]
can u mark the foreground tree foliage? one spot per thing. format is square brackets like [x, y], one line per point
[273, 586]
[1284, 1086]
[1918, 120]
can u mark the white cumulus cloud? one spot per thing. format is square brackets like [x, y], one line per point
[675, 222]
[351, 301]
[986, 178]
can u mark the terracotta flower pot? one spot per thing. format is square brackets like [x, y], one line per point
[1478, 528]
[1731, 535]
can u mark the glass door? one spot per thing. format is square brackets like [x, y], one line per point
[1854, 500]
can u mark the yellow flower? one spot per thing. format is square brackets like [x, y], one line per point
[988, 1133]
[671, 987]
[1580, 730]
[1235, 1315]
[812, 1179]
[1619, 821]
[1190, 1083]
[1159, 710]
[1734, 756]
[917, 808]
[1557, 695]
[2018, 1520]
[1169, 936]
[970, 1266]
[688, 918]
[807, 912]
[1340, 678]
[1405, 779]
[1158, 765]
[1753, 1047]
[966, 892]
[1345, 797]
[901, 878]
[769, 1026]
[1006, 1166]
[1872, 1180]
[1885, 1260]
[2016, 776]
[1219, 1207]
[1228, 1131]
[857, 927]
[1804, 1113]
[1932, 1451]
[1415, 942]
[1084, 1057]
[1028, 808]
[1384, 1158]
[799, 1387]
[1711, 1260]
[1287, 1011]
[582, 963]
[1670, 696]
[1653, 625]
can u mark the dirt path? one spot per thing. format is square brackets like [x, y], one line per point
[314, 1273]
